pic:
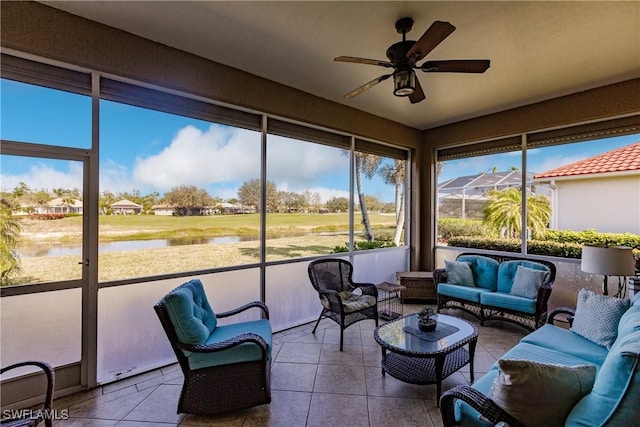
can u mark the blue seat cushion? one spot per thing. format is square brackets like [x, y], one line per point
[526, 351]
[563, 340]
[485, 270]
[507, 272]
[245, 352]
[616, 392]
[190, 313]
[510, 302]
[466, 293]
[465, 414]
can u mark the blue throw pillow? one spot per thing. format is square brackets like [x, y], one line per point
[597, 317]
[527, 282]
[459, 273]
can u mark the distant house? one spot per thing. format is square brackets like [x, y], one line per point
[228, 208]
[167, 210]
[126, 207]
[63, 206]
[163, 210]
[601, 192]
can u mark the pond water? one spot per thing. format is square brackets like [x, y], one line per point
[127, 245]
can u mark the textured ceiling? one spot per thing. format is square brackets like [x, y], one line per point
[538, 50]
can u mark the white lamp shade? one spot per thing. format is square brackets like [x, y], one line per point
[608, 261]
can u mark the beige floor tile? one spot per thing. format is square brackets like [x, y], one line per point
[351, 336]
[299, 353]
[160, 406]
[231, 419]
[287, 409]
[340, 379]
[143, 424]
[350, 355]
[85, 422]
[293, 376]
[397, 412]
[378, 385]
[372, 355]
[338, 410]
[112, 406]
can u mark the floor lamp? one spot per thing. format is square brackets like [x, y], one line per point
[608, 261]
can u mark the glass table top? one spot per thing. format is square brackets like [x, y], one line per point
[403, 335]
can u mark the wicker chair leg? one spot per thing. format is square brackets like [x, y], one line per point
[317, 323]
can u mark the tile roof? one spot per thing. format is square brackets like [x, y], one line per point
[622, 159]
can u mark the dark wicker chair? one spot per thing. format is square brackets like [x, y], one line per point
[528, 321]
[216, 389]
[481, 403]
[332, 278]
[44, 414]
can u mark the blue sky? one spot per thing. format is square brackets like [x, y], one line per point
[151, 151]
[538, 159]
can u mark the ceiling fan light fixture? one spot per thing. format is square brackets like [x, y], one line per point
[404, 82]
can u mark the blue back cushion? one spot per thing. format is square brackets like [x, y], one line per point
[485, 270]
[190, 313]
[616, 392]
[630, 321]
[507, 272]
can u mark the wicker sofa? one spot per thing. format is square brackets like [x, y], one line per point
[490, 297]
[611, 399]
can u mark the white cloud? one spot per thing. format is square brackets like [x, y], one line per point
[46, 175]
[222, 155]
[201, 158]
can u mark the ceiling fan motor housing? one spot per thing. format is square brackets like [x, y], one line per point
[397, 52]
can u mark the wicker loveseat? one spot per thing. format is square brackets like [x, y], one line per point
[609, 398]
[490, 295]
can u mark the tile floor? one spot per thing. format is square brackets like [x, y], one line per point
[312, 384]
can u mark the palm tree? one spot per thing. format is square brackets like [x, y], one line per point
[9, 231]
[395, 174]
[367, 165]
[504, 209]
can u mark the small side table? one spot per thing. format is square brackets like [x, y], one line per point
[389, 295]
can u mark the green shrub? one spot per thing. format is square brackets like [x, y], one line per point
[363, 245]
[593, 238]
[534, 247]
[454, 227]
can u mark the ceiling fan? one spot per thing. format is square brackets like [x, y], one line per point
[404, 55]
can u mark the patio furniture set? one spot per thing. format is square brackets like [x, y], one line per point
[585, 375]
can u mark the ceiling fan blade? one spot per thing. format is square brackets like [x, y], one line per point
[363, 61]
[366, 86]
[456, 66]
[418, 94]
[435, 34]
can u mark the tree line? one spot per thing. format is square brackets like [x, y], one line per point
[186, 198]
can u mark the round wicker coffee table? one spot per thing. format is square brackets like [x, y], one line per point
[417, 357]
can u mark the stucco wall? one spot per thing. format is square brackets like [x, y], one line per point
[609, 205]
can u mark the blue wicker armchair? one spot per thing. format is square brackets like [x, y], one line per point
[225, 367]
